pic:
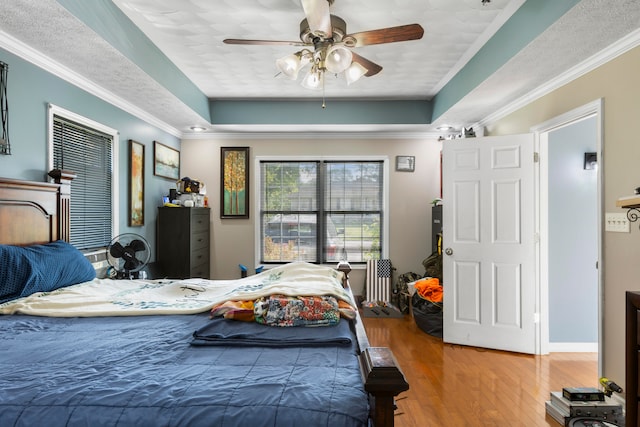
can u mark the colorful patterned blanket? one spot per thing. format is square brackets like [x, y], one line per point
[281, 310]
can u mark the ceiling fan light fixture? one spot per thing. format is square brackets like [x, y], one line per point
[328, 46]
[290, 65]
[354, 72]
[314, 79]
[338, 58]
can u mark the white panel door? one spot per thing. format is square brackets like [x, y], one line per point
[488, 240]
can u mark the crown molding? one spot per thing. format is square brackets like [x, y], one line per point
[304, 132]
[614, 50]
[39, 59]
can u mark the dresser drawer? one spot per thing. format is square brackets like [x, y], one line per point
[199, 221]
[199, 256]
[199, 240]
[201, 271]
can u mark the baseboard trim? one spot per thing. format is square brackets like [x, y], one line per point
[573, 347]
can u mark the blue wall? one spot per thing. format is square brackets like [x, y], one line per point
[29, 91]
[573, 239]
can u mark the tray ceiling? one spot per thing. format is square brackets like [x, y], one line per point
[189, 34]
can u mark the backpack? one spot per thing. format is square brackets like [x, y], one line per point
[433, 266]
[401, 291]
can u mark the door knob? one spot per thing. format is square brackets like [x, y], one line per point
[448, 251]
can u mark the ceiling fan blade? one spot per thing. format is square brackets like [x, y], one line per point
[318, 17]
[264, 42]
[372, 67]
[388, 35]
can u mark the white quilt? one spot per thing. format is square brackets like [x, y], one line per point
[106, 297]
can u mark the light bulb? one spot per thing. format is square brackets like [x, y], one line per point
[338, 59]
[313, 79]
[354, 72]
[289, 65]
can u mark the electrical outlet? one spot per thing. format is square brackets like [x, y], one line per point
[616, 222]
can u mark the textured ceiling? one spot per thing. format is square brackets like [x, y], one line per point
[190, 34]
[591, 32]
[47, 34]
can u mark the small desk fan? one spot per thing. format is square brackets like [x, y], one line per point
[128, 254]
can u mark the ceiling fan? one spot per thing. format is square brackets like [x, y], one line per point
[326, 46]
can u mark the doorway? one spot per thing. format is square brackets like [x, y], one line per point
[462, 229]
[569, 224]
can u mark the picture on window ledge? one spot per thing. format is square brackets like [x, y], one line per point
[405, 163]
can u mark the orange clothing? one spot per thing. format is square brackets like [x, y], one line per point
[429, 288]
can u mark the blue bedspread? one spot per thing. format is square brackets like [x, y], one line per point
[221, 331]
[142, 371]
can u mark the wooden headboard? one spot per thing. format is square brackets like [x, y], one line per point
[35, 212]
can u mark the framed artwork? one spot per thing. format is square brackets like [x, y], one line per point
[5, 148]
[234, 182]
[136, 184]
[405, 163]
[166, 161]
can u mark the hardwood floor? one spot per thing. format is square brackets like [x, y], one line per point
[458, 386]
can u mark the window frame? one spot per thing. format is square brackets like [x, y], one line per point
[310, 158]
[54, 110]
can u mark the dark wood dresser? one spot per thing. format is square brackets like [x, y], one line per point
[632, 350]
[183, 242]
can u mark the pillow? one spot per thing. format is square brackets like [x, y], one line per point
[41, 268]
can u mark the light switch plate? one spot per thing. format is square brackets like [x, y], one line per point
[616, 222]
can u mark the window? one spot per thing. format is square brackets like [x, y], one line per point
[340, 200]
[86, 148]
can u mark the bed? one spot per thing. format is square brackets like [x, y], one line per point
[166, 368]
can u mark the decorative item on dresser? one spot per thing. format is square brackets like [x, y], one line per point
[183, 242]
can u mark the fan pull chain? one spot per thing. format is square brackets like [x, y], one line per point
[323, 104]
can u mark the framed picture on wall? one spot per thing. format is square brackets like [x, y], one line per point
[166, 161]
[136, 184]
[234, 182]
[405, 163]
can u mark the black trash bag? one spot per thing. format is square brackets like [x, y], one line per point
[428, 315]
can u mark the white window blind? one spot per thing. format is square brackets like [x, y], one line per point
[88, 153]
[353, 200]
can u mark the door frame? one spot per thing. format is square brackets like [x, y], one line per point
[541, 146]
